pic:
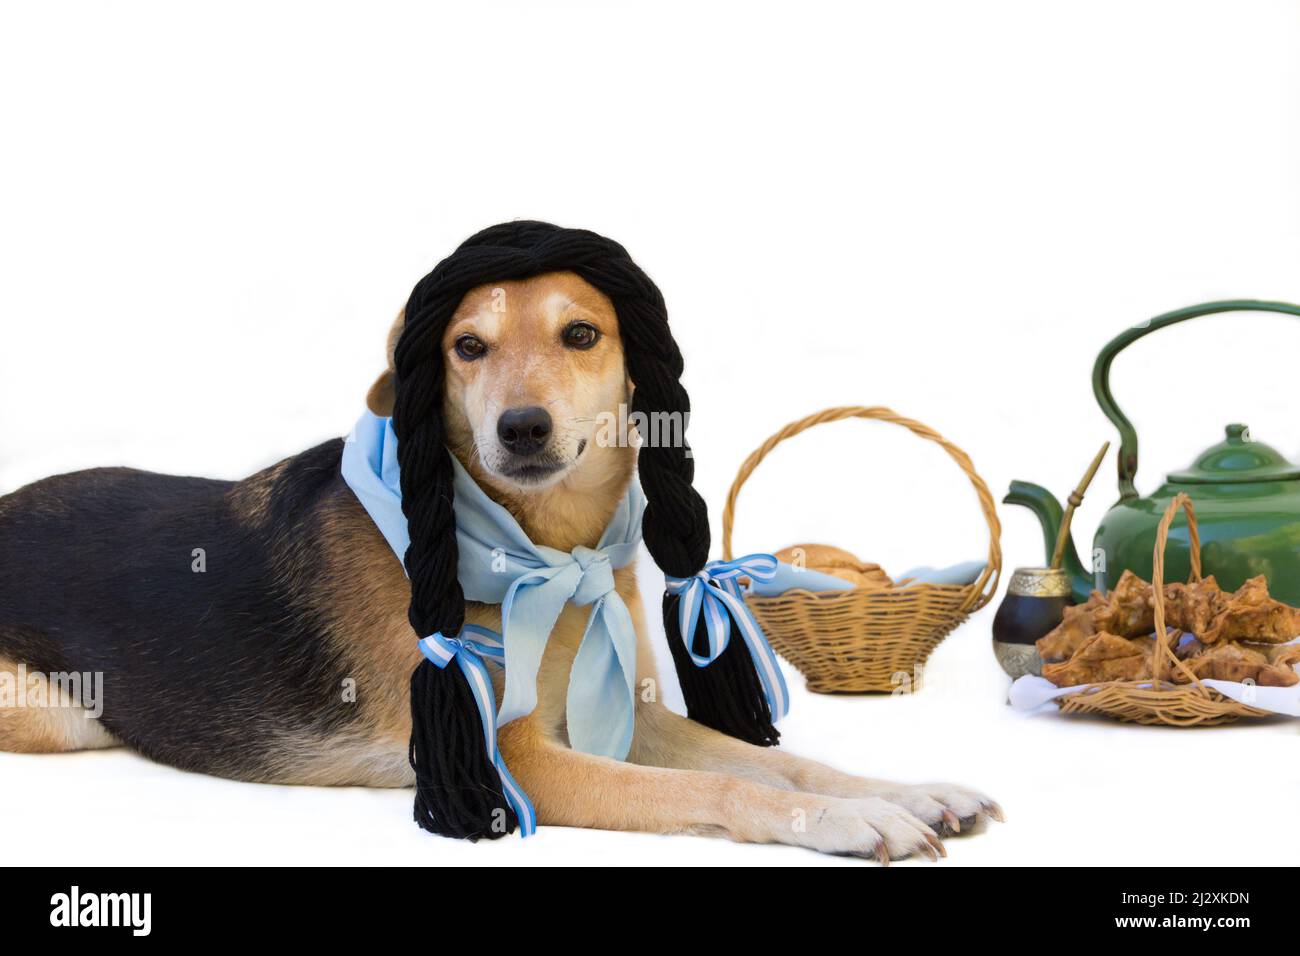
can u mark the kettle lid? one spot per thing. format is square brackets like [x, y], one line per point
[1239, 458]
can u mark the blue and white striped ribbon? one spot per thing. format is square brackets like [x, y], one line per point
[715, 593]
[469, 655]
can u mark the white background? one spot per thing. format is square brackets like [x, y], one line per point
[210, 217]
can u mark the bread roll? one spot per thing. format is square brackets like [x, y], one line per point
[836, 562]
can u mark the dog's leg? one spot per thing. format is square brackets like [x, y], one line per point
[569, 788]
[666, 739]
[36, 717]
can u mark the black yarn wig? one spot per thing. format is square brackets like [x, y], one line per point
[458, 792]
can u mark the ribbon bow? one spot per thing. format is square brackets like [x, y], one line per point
[469, 655]
[715, 593]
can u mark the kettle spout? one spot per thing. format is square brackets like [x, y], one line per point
[1049, 513]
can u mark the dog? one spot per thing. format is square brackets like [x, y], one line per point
[286, 657]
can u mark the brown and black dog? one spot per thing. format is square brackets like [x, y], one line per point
[288, 659]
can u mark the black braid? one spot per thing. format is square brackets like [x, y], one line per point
[458, 792]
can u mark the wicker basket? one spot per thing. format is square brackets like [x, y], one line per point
[861, 640]
[1158, 701]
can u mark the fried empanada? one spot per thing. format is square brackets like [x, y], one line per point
[1067, 637]
[1192, 607]
[1251, 615]
[1275, 676]
[1284, 655]
[1236, 662]
[1127, 611]
[1103, 657]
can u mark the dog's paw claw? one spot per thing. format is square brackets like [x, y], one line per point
[946, 808]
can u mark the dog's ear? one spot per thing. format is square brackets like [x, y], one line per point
[383, 394]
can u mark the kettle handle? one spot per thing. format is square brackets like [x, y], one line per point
[1128, 449]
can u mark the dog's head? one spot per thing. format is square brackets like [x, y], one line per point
[535, 378]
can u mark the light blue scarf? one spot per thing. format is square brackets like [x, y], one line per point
[532, 583]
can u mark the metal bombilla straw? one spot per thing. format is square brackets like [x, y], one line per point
[1075, 499]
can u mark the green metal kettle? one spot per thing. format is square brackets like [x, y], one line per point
[1247, 497]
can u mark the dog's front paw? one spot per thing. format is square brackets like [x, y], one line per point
[945, 807]
[869, 827]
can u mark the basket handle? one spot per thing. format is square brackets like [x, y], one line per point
[1162, 653]
[987, 584]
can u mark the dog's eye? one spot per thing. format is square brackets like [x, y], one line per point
[581, 335]
[470, 347]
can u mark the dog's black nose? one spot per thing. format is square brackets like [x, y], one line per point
[524, 430]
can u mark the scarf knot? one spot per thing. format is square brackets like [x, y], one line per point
[597, 576]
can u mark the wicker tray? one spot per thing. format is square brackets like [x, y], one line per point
[860, 640]
[1158, 701]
